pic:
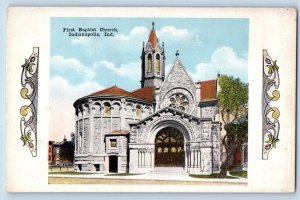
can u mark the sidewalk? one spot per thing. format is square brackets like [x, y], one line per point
[150, 176]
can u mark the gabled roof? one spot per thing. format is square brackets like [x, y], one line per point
[208, 90]
[177, 63]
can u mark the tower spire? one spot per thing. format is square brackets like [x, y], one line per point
[153, 61]
[152, 37]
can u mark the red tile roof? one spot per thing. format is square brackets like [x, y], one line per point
[208, 90]
[146, 93]
[152, 38]
[114, 91]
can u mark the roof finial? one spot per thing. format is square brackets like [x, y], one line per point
[177, 53]
[153, 25]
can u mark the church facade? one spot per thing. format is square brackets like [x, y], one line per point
[171, 121]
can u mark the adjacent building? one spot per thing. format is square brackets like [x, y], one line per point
[54, 152]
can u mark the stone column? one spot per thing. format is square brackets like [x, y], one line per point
[83, 134]
[76, 133]
[101, 130]
[106, 164]
[206, 154]
[122, 114]
[133, 164]
[186, 157]
[91, 117]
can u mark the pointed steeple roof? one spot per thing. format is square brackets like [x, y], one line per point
[152, 37]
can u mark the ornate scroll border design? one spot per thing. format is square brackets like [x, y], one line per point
[271, 125]
[29, 91]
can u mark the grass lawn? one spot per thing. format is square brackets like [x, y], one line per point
[121, 174]
[72, 173]
[242, 174]
[217, 175]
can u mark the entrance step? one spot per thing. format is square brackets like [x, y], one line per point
[169, 171]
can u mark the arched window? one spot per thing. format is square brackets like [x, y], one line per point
[157, 63]
[129, 110]
[80, 140]
[147, 111]
[86, 110]
[149, 63]
[97, 108]
[115, 110]
[107, 109]
[138, 112]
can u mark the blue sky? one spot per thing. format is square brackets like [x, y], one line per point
[81, 65]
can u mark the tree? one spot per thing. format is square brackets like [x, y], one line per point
[67, 151]
[233, 104]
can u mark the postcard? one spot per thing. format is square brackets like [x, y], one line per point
[150, 99]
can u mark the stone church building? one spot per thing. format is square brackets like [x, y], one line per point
[171, 121]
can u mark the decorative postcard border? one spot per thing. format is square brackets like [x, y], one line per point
[29, 91]
[271, 125]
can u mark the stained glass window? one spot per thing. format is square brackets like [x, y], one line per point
[157, 63]
[179, 101]
[149, 66]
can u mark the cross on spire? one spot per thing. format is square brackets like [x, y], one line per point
[177, 53]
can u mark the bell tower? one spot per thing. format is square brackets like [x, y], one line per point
[153, 61]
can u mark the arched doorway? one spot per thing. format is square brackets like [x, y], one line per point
[169, 148]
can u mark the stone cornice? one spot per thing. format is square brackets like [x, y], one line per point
[110, 97]
[174, 112]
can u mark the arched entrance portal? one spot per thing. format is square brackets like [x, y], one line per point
[169, 148]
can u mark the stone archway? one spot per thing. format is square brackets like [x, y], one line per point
[169, 148]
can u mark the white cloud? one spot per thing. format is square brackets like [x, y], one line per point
[62, 97]
[172, 31]
[130, 70]
[138, 31]
[61, 89]
[61, 64]
[225, 57]
[225, 61]
[167, 33]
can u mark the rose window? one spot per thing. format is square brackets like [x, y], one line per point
[179, 101]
